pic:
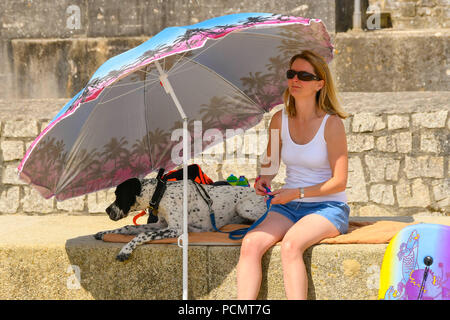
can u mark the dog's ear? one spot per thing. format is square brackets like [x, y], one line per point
[135, 186]
[126, 193]
[131, 186]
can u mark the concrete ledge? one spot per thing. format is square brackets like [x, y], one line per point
[376, 61]
[55, 257]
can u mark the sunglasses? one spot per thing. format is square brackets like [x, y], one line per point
[301, 75]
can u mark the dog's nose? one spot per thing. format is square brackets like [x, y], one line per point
[108, 210]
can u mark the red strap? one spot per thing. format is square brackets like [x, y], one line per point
[202, 178]
[143, 213]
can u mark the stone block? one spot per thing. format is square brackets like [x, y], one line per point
[381, 193]
[243, 146]
[382, 168]
[430, 142]
[97, 202]
[403, 142]
[397, 122]
[347, 124]
[76, 60]
[110, 18]
[375, 211]
[12, 150]
[262, 125]
[424, 166]
[9, 199]
[211, 170]
[251, 144]
[360, 142]
[356, 182]
[386, 144]
[21, 129]
[430, 119]
[398, 142]
[28, 19]
[44, 125]
[412, 194]
[71, 205]
[214, 155]
[10, 175]
[33, 202]
[238, 168]
[407, 9]
[367, 122]
[278, 181]
[441, 192]
[263, 140]
[390, 60]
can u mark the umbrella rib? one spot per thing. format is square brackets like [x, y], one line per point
[128, 84]
[154, 75]
[61, 185]
[124, 94]
[176, 63]
[237, 32]
[253, 34]
[220, 76]
[198, 54]
[146, 111]
[103, 95]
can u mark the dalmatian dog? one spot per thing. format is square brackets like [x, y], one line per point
[231, 204]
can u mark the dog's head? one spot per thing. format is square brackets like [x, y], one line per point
[126, 199]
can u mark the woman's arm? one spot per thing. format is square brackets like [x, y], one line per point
[270, 164]
[338, 159]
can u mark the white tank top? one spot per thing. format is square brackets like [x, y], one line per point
[307, 164]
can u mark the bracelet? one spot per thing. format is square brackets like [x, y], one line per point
[302, 193]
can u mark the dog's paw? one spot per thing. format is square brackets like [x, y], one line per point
[99, 235]
[123, 256]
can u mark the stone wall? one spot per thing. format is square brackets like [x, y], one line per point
[116, 18]
[398, 147]
[50, 49]
[42, 54]
[416, 14]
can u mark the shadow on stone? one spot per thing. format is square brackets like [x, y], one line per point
[154, 271]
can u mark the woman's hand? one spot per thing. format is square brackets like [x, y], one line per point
[261, 184]
[282, 196]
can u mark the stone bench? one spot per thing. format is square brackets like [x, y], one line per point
[55, 257]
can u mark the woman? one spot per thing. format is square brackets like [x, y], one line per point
[312, 204]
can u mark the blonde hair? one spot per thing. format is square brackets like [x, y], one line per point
[326, 97]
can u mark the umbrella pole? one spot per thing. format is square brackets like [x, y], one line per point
[184, 237]
[185, 209]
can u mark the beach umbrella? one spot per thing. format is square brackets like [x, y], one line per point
[225, 72]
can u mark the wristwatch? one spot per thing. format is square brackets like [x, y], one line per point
[302, 192]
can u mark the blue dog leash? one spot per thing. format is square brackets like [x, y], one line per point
[240, 233]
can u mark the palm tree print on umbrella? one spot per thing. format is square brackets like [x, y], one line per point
[232, 96]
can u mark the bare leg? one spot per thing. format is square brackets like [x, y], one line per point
[254, 245]
[306, 232]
